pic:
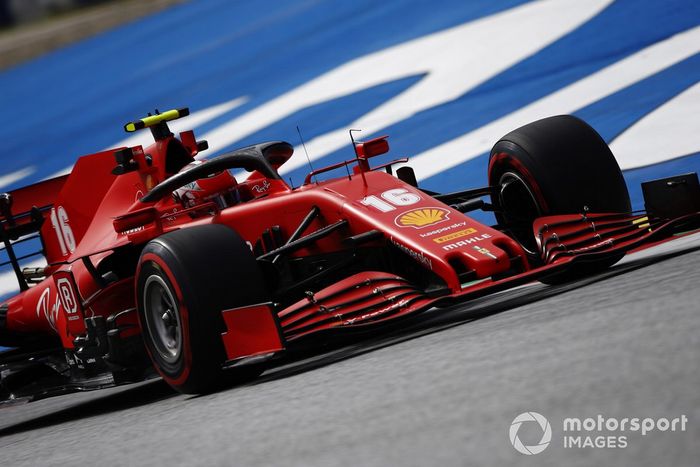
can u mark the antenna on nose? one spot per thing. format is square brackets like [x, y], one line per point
[305, 151]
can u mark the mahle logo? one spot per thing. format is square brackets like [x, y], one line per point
[546, 433]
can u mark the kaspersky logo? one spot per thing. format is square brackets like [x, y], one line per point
[526, 417]
[419, 218]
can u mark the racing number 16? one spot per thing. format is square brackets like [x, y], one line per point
[59, 222]
[395, 197]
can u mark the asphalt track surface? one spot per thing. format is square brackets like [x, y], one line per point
[443, 392]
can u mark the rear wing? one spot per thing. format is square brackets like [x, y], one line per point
[22, 215]
[51, 217]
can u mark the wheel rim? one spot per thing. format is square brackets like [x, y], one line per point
[519, 209]
[162, 319]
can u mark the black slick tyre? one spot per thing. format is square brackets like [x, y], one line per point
[184, 280]
[557, 165]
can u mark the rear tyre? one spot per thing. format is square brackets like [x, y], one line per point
[184, 280]
[557, 165]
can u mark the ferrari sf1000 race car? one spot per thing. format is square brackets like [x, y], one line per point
[160, 264]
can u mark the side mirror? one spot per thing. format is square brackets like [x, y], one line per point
[373, 147]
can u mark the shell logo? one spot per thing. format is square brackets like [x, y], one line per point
[419, 218]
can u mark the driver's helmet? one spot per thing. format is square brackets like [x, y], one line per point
[219, 187]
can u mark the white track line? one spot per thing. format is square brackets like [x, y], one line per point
[453, 61]
[670, 131]
[607, 81]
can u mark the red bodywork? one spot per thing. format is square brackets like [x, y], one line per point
[93, 215]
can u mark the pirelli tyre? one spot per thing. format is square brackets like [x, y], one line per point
[183, 282]
[557, 165]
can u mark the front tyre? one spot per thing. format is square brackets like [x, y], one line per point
[557, 165]
[184, 280]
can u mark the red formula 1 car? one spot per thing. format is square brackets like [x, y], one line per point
[158, 261]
